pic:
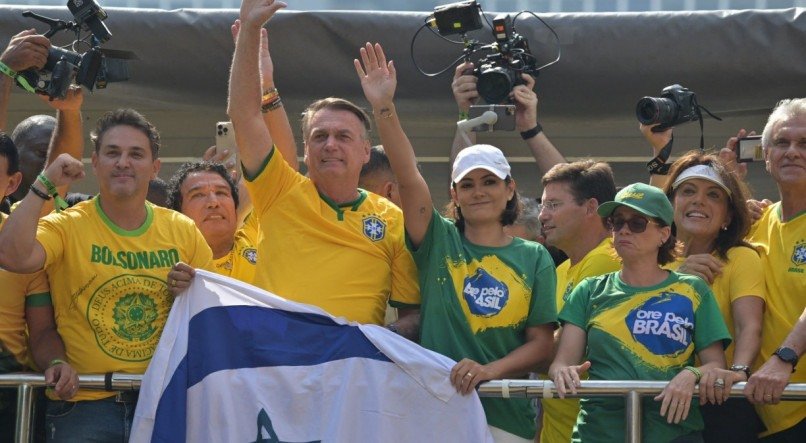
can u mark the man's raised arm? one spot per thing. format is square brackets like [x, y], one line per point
[252, 136]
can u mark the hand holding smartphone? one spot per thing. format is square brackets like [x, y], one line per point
[225, 139]
[748, 149]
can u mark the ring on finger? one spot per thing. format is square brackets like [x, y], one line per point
[719, 383]
[468, 375]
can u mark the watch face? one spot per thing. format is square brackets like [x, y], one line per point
[787, 355]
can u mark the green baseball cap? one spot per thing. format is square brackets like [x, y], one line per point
[644, 198]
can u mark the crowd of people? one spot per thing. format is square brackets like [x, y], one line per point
[683, 279]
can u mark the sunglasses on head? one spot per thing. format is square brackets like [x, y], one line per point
[636, 225]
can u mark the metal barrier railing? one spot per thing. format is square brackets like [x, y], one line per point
[631, 390]
[26, 382]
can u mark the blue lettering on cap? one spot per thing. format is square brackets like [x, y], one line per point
[663, 324]
[485, 296]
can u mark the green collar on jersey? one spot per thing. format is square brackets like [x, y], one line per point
[339, 208]
[120, 231]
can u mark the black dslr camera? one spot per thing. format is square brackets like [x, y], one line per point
[675, 105]
[509, 56]
[91, 69]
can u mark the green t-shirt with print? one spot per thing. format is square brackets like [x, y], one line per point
[477, 302]
[641, 333]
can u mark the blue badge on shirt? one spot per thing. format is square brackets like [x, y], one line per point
[485, 295]
[799, 254]
[374, 228]
[663, 324]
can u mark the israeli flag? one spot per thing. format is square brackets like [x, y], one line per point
[238, 364]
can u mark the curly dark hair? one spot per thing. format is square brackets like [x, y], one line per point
[175, 185]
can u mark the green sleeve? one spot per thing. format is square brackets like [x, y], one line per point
[575, 310]
[543, 307]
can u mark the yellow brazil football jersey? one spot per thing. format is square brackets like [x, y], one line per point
[783, 256]
[20, 291]
[559, 416]
[349, 259]
[742, 276]
[241, 262]
[108, 285]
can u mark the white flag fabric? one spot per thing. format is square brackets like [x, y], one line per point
[238, 364]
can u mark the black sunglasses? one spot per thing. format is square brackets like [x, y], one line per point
[636, 225]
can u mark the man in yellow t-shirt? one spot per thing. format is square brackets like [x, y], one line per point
[107, 260]
[21, 294]
[571, 194]
[780, 235]
[206, 192]
[324, 241]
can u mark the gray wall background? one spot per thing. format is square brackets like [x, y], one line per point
[739, 62]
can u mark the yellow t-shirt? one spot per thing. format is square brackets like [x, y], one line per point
[241, 262]
[19, 291]
[783, 258]
[560, 416]
[350, 260]
[742, 276]
[109, 289]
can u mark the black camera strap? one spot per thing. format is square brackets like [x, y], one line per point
[658, 165]
[701, 108]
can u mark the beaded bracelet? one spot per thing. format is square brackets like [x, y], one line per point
[694, 371]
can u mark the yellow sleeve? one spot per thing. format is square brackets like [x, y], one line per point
[747, 274]
[202, 256]
[50, 233]
[405, 283]
[271, 181]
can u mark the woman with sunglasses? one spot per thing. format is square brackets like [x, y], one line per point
[487, 297]
[712, 220]
[640, 323]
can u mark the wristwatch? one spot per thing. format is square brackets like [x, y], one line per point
[742, 368]
[787, 355]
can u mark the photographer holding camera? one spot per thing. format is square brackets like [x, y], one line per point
[466, 94]
[26, 50]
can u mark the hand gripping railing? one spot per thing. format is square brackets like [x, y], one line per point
[26, 382]
[631, 390]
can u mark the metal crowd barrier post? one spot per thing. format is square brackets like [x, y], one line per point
[631, 390]
[26, 382]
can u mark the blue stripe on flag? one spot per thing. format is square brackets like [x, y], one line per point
[232, 337]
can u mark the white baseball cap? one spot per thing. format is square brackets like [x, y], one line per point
[480, 157]
[705, 172]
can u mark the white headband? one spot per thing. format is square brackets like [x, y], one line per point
[705, 172]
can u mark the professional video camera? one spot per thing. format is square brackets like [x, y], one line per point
[91, 69]
[500, 68]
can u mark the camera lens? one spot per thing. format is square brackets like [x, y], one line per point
[494, 85]
[652, 110]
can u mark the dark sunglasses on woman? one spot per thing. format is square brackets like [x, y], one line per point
[636, 225]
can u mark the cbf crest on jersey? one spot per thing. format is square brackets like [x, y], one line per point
[485, 295]
[799, 253]
[663, 324]
[374, 228]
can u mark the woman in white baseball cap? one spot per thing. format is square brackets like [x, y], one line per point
[711, 220]
[487, 298]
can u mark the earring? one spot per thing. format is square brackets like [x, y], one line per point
[724, 227]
